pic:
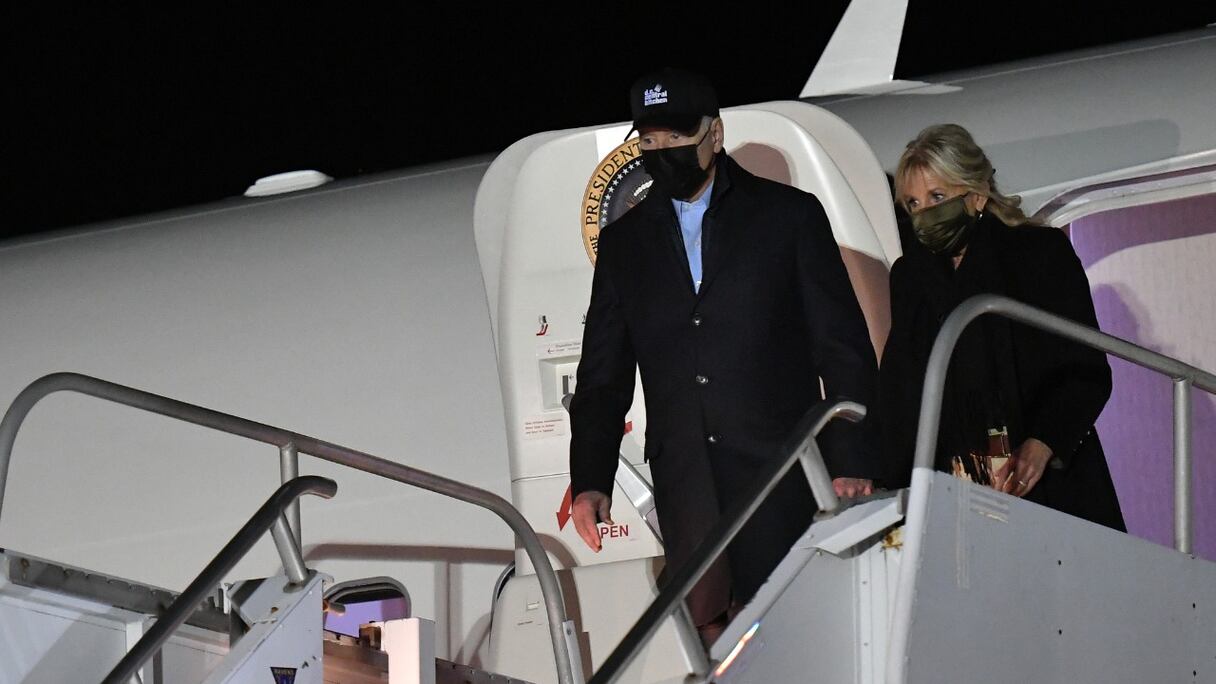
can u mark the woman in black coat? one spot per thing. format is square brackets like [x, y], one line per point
[1007, 383]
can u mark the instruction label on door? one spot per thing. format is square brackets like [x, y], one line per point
[542, 427]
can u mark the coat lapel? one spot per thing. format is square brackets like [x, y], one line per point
[724, 223]
[666, 239]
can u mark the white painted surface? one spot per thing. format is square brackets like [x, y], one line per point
[410, 645]
[49, 637]
[995, 578]
[1054, 123]
[607, 599]
[863, 49]
[354, 313]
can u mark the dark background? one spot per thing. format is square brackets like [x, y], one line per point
[121, 111]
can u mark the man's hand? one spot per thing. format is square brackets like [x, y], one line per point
[852, 486]
[1021, 473]
[591, 508]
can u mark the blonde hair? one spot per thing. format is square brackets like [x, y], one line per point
[949, 152]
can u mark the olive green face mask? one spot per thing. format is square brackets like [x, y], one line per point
[944, 228]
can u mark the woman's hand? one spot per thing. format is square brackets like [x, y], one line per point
[849, 487]
[1022, 472]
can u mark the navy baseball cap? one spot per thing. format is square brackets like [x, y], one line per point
[672, 98]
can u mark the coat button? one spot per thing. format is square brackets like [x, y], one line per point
[702, 380]
[713, 438]
[697, 320]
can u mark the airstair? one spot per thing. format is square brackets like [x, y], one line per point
[64, 624]
[950, 581]
[947, 581]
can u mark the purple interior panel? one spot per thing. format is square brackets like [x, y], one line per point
[1137, 426]
[363, 613]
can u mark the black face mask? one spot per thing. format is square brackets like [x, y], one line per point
[676, 170]
[945, 228]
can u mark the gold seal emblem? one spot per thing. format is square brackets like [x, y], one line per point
[618, 184]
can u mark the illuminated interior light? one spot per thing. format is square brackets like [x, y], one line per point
[734, 652]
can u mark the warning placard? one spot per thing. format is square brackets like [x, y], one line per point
[540, 427]
[559, 348]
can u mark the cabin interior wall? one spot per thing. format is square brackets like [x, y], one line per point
[1149, 269]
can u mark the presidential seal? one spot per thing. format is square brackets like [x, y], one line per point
[619, 182]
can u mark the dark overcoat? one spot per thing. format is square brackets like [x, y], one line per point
[1039, 384]
[726, 372]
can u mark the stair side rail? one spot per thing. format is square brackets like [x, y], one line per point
[800, 447]
[1184, 376]
[269, 517]
[290, 444]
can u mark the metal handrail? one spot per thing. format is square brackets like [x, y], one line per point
[801, 447]
[561, 631]
[1183, 374]
[271, 514]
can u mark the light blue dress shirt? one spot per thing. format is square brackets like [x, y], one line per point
[691, 215]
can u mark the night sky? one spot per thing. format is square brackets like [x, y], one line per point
[122, 111]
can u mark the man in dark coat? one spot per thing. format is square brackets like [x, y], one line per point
[729, 294]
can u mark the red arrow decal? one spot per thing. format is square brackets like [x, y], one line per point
[566, 510]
